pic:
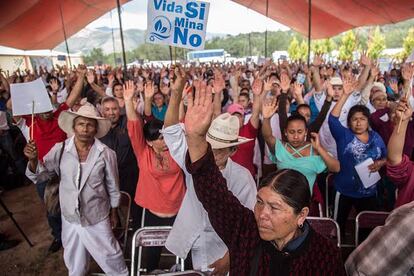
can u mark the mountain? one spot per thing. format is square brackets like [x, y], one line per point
[87, 39]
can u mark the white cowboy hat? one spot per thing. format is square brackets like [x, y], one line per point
[66, 118]
[224, 132]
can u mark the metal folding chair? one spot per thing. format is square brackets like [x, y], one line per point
[184, 273]
[368, 220]
[327, 227]
[328, 185]
[149, 237]
[124, 209]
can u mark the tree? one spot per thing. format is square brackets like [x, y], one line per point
[408, 44]
[330, 45]
[303, 50]
[95, 56]
[376, 44]
[318, 47]
[294, 49]
[348, 46]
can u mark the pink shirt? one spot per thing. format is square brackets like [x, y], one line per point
[160, 186]
[403, 177]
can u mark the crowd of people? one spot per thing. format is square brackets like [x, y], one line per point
[233, 156]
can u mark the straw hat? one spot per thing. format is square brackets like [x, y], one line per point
[67, 117]
[336, 81]
[224, 132]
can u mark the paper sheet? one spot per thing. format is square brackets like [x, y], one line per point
[24, 94]
[368, 178]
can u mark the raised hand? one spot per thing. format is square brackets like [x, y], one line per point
[374, 71]
[315, 141]
[349, 85]
[257, 87]
[119, 75]
[269, 108]
[394, 85]
[365, 59]
[317, 60]
[180, 79]
[219, 83]
[403, 111]
[407, 72]
[267, 85]
[329, 89]
[54, 85]
[199, 111]
[129, 90]
[81, 71]
[297, 90]
[284, 83]
[149, 90]
[111, 79]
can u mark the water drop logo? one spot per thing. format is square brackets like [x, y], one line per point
[162, 28]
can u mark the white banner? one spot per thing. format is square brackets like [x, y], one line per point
[23, 95]
[179, 23]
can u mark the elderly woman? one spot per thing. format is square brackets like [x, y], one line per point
[275, 238]
[355, 145]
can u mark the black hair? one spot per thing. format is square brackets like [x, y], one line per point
[116, 84]
[291, 185]
[245, 94]
[296, 117]
[77, 117]
[152, 129]
[358, 108]
[302, 106]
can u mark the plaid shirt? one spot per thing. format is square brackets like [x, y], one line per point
[389, 249]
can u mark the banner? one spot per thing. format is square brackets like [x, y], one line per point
[178, 23]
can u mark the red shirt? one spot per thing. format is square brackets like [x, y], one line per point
[46, 133]
[245, 152]
[161, 185]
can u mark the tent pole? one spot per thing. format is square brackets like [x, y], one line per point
[267, 14]
[113, 40]
[309, 29]
[64, 34]
[122, 38]
[171, 54]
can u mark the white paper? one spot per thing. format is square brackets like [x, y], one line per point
[367, 177]
[179, 23]
[24, 94]
[384, 117]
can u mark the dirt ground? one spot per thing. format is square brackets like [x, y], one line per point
[30, 214]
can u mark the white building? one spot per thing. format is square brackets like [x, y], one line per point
[11, 59]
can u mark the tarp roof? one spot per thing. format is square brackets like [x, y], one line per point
[7, 51]
[331, 17]
[37, 24]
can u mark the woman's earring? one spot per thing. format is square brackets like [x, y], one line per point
[301, 226]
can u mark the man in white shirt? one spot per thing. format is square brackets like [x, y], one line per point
[192, 229]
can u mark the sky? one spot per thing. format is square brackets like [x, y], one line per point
[242, 20]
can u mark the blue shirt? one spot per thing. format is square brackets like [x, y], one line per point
[159, 114]
[351, 152]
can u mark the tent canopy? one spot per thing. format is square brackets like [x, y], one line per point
[37, 24]
[331, 17]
